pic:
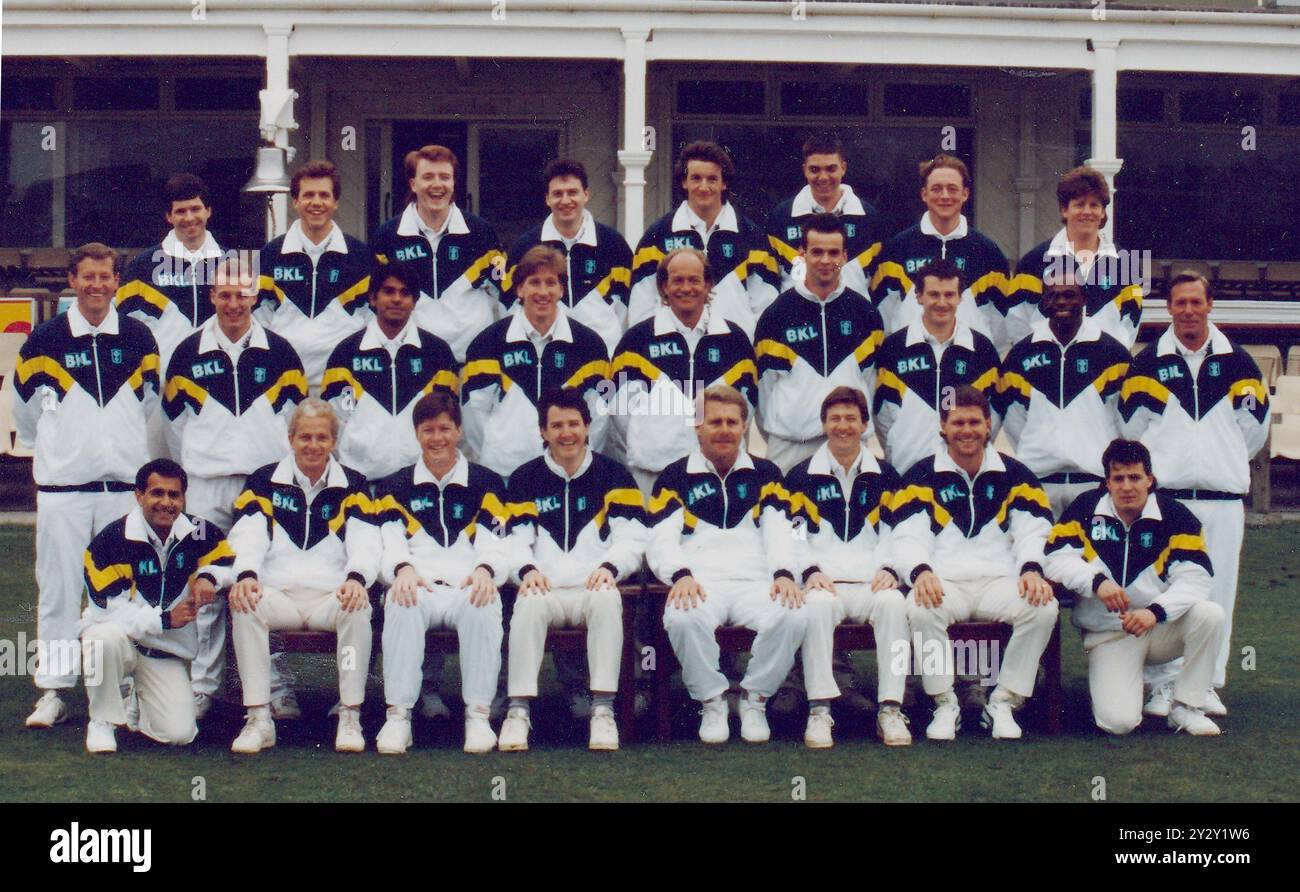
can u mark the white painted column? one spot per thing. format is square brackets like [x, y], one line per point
[1027, 181]
[1105, 126]
[638, 143]
[277, 79]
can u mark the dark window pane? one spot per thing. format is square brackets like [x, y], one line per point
[927, 100]
[1085, 104]
[1133, 105]
[27, 93]
[1288, 108]
[510, 208]
[1212, 107]
[114, 93]
[828, 99]
[720, 97]
[217, 93]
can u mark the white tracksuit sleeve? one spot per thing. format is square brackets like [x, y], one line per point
[250, 540]
[136, 617]
[1068, 566]
[364, 547]
[519, 549]
[396, 550]
[642, 300]
[598, 434]
[1254, 431]
[494, 550]
[664, 552]
[1137, 425]
[477, 412]
[912, 544]
[1188, 583]
[1029, 537]
[778, 541]
[769, 384]
[1014, 422]
[627, 546]
[27, 413]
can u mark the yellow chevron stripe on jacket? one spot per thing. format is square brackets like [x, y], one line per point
[776, 490]
[989, 280]
[1015, 381]
[782, 250]
[864, 259]
[1131, 294]
[870, 344]
[886, 379]
[341, 375]
[478, 268]
[488, 368]
[650, 254]
[178, 384]
[739, 370]
[143, 290]
[925, 496]
[361, 289]
[1181, 542]
[769, 347]
[1251, 386]
[356, 500]
[1114, 373]
[1025, 282]
[1072, 533]
[1024, 492]
[291, 378]
[630, 497]
[389, 503]
[101, 579]
[248, 497]
[1144, 384]
[630, 359]
[44, 365]
[987, 381]
[761, 259]
[597, 368]
[222, 554]
[266, 283]
[445, 378]
[620, 275]
[889, 268]
[148, 363]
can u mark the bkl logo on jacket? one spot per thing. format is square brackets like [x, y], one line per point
[1102, 531]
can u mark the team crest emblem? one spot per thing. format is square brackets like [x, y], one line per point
[1214, 369]
[590, 266]
[728, 251]
[559, 360]
[715, 355]
[1146, 540]
[742, 489]
[453, 252]
[582, 503]
[1081, 365]
[116, 354]
[846, 327]
[334, 275]
[457, 511]
[180, 561]
[850, 229]
[1105, 282]
[961, 263]
[259, 375]
[988, 493]
[961, 366]
[326, 511]
[416, 365]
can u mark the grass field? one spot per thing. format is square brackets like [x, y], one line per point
[1255, 760]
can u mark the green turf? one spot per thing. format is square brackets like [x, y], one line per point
[1255, 759]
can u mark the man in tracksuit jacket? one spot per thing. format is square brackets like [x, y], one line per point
[517, 360]
[314, 278]
[970, 525]
[577, 529]
[1197, 402]
[306, 549]
[375, 376]
[443, 522]
[597, 257]
[943, 233]
[665, 362]
[920, 367]
[147, 575]
[455, 255]
[1060, 395]
[722, 537]
[844, 495]
[229, 390]
[747, 278]
[824, 167]
[1137, 559]
[819, 335]
[87, 380]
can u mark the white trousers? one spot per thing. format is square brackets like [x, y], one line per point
[1061, 495]
[1115, 661]
[478, 630]
[65, 524]
[993, 599]
[886, 610]
[600, 611]
[781, 631]
[788, 453]
[162, 685]
[212, 499]
[1224, 530]
[301, 609]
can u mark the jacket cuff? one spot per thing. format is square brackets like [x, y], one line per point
[1159, 611]
[783, 574]
[682, 574]
[398, 568]
[525, 570]
[166, 619]
[357, 577]
[208, 576]
[809, 572]
[1033, 566]
[918, 570]
[613, 570]
[1098, 581]
[247, 574]
[488, 567]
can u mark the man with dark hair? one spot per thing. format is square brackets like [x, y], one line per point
[1197, 401]
[943, 233]
[455, 255]
[515, 361]
[577, 529]
[598, 261]
[824, 167]
[663, 362]
[1060, 393]
[920, 367]
[844, 496]
[87, 381]
[747, 277]
[229, 390]
[1138, 561]
[314, 277]
[147, 575]
[1112, 281]
[818, 335]
[443, 523]
[969, 526]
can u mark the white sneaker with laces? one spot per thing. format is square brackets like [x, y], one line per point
[1213, 705]
[713, 722]
[349, 738]
[1191, 720]
[101, 737]
[753, 722]
[395, 737]
[604, 730]
[284, 706]
[202, 706]
[946, 720]
[50, 710]
[479, 737]
[817, 733]
[999, 718]
[891, 727]
[432, 707]
[1161, 699]
[258, 734]
[514, 731]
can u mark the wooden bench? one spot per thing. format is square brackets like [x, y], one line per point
[852, 636]
[446, 641]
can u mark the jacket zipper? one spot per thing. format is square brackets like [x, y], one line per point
[825, 351]
[442, 520]
[313, 289]
[392, 377]
[99, 384]
[566, 514]
[568, 266]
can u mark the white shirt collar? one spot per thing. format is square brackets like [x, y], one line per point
[823, 462]
[685, 218]
[801, 286]
[459, 473]
[375, 338]
[960, 232]
[698, 464]
[520, 326]
[1061, 247]
[666, 321]
[138, 529]
[1150, 511]
[992, 461]
[212, 336]
[849, 203]
[412, 224]
[1217, 341]
[586, 231]
[961, 335]
[174, 247]
[1088, 331]
[560, 472]
[80, 327]
[287, 472]
[295, 241]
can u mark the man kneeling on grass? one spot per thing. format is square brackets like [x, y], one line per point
[1137, 559]
[147, 575]
[577, 528]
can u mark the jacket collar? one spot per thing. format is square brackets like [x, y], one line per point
[411, 224]
[961, 335]
[174, 247]
[802, 288]
[335, 477]
[1150, 511]
[80, 327]
[848, 203]
[458, 475]
[698, 464]
[824, 463]
[666, 321]
[1061, 247]
[685, 218]
[962, 230]
[138, 529]
[295, 242]
[208, 338]
[1217, 340]
[1088, 331]
[992, 461]
[520, 326]
[560, 472]
[586, 231]
[374, 338]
